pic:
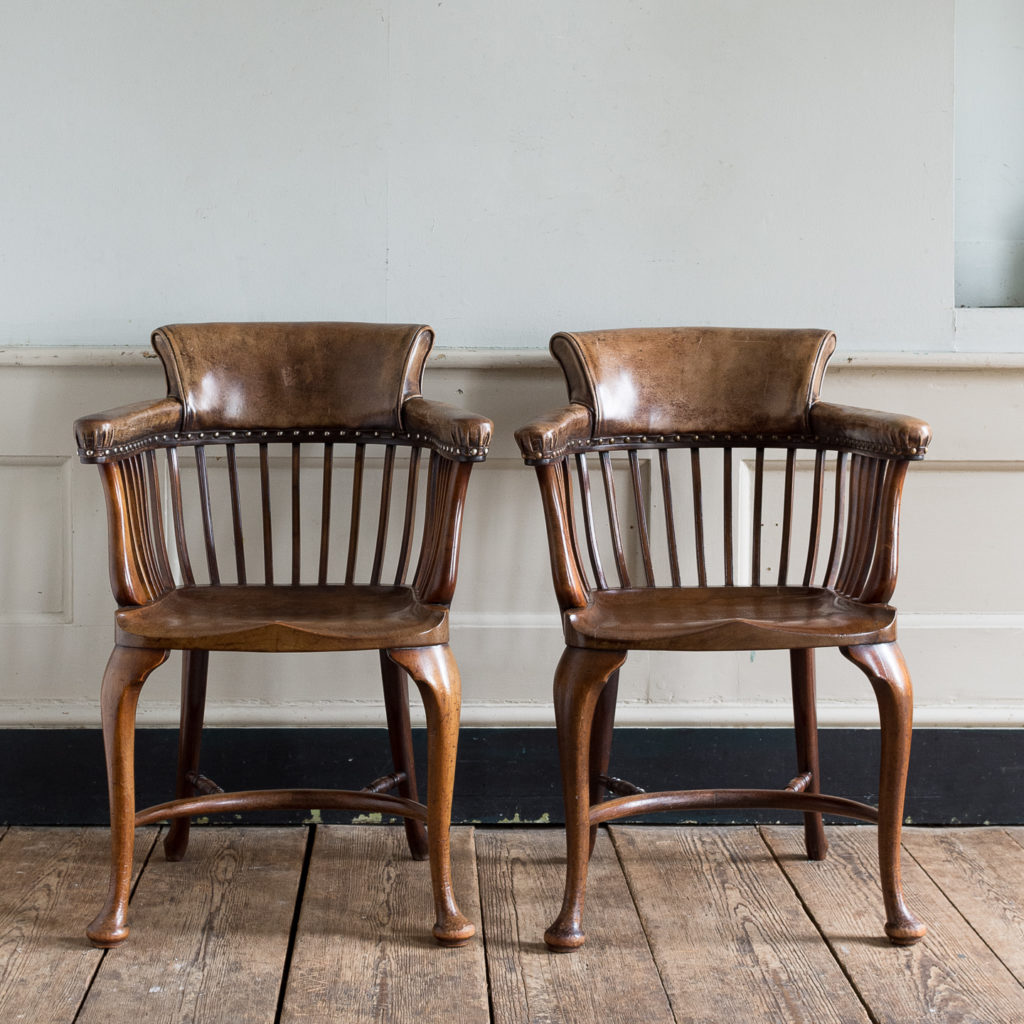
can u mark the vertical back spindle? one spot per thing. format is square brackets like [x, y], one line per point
[583, 472]
[385, 510]
[613, 519]
[410, 516]
[727, 512]
[641, 516]
[204, 503]
[296, 522]
[787, 518]
[236, 513]
[670, 517]
[838, 520]
[815, 528]
[357, 496]
[325, 512]
[268, 537]
[157, 521]
[180, 541]
[698, 517]
[755, 545]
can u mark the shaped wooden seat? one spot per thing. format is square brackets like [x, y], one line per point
[305, 618]
[726, 619]
[235, 510]
[698, 496]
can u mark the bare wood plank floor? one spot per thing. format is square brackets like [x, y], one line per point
[693, 924]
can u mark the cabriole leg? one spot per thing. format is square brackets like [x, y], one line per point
[601, 743]
[884, 666]
[436, 675]
[579, 679]
[396, 706]
[194, 665]
[126, 671]
[805, 722]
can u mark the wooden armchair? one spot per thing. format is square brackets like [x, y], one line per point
[791, 545]
[257, 418]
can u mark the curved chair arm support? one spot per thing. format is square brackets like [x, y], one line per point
[110, 435]
[449, 430]
[551, 436]
[869, 432]
[438, 564]
[571, 587]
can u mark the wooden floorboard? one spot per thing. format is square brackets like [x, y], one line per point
[981, 872]
[950, 976]
[209, 934]
[694, 924]
[52, 883]
[613, 977]
[364, 949]
[730, 937]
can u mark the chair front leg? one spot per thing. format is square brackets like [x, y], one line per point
[126, 671]
[885, 668]
[396, 707]
[194, 665]
[805, 723]
[436, 675]
[579, 680]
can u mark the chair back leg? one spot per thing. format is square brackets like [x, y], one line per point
[126, 671]
[885, 668]
[601, 744]
[194, 665]
[396, 707]
[805, 722]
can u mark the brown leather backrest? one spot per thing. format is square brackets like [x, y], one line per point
[313, 375]
[695, 379]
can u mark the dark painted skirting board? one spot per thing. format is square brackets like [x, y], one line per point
[958, 776]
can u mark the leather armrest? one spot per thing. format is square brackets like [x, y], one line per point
[865, 430]
[549, 436]
[116, 432]
[453, 431]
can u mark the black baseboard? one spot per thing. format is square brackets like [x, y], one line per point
[505, 776]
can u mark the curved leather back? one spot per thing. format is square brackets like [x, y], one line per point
[313, 375]
[694, 379]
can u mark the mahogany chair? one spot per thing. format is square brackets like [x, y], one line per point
[260, 424]
[790, 545]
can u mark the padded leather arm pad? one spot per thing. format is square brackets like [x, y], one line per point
[548, 437]
[116, 432]
[452, 431]
[874, 433]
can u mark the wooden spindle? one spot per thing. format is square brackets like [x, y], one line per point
[641, 515]
[755, 544]
[613, 519]
[382, 518]
[268, 536]
[727, 512]
[410, 516]
[357, 497]
[859, 485]
[670, 517]
[180, 542]
[140, 537]
[882, 581]
[583, 472]
[787, 518]
[325, 512]
[157, 521]
[296, 517]
[870, 513]
[838, 520]
[813, 537]
[207, 513]
[698, 517]
[236, 513]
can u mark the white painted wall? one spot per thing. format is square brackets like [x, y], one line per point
[990, 153]
[499, 169]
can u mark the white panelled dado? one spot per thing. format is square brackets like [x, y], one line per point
[960, 594]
